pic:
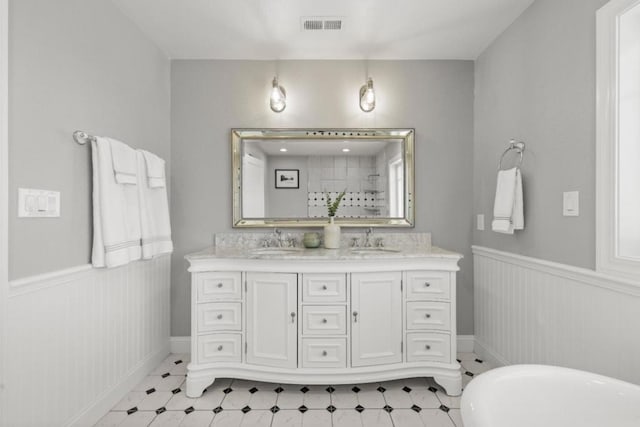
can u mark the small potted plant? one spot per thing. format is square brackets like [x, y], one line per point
[332, 230]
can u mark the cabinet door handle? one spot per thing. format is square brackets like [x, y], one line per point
[427, 284]
[324, 287]
[293, 317]
[219, 316]
[355, 317]
[324, 320]
[428, 316]
[220, 348]
[219, 285]
[428, 347]
[324, 353]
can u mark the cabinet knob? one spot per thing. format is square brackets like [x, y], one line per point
[427, 284]
[293, 317]
[324, 352]
[428, 347]
[324, 287]
[219, 316]
[428, 316]
[324, 320]
[220, 348]
[355, 317]
[219, 285]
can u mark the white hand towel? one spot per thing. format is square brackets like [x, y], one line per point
[154, 213]
[124, 162]
[155, 170]
[508, 208]
[116, 212]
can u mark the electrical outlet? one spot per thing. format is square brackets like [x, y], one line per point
[480, 222]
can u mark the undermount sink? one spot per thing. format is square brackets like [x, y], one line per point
[276, 251]
[374, 250]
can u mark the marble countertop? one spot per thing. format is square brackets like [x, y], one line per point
[321, 253]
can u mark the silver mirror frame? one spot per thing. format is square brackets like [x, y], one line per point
[407, 135]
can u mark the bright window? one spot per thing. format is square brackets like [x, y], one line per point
[618, 138]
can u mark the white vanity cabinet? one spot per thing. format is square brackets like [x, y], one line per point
[342, 320]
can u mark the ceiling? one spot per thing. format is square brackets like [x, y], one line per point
[371, 29]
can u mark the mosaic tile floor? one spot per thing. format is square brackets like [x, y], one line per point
[160, 400]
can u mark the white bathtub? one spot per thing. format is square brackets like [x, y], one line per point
[549, 396]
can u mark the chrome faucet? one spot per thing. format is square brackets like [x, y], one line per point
[277, 234]
[367, 238]
[274, 240]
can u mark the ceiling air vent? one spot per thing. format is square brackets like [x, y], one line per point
[312, 24]
[316, 23]
[333, 24]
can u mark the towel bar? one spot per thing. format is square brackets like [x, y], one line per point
[82, 137]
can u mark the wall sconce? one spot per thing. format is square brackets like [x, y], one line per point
[278, 100]
[367, 97]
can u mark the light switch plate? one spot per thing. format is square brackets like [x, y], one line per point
[480, 222]
[571, 203]
[34, 203]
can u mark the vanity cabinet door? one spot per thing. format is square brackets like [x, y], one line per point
[272, 319]
[376, 318]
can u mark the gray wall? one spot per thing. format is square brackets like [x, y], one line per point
[536, 83]
[74, 64]
[211, 97]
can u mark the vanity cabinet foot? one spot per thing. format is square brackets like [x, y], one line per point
[452, 384]
[196, 386]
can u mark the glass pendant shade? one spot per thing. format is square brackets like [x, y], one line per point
[278, 100]
[367, 97]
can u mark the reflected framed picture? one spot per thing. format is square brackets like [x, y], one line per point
[287, 178]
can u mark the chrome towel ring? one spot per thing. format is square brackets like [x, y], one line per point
[513, 145]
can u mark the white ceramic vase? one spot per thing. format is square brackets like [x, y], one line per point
[331, 235]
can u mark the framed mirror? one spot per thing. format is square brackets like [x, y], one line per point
[281, 177]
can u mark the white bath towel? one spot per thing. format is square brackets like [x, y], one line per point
[154, 170]
[116, 212]
[124, 162]
[508, 208]
[154, 212]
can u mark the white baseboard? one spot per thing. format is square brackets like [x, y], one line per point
[465, 343]
[180, 345]
[109, 398]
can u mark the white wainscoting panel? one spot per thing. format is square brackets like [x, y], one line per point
[533, 311]
[78, 339]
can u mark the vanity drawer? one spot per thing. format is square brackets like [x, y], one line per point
[324, 287]
[324, 353]
[428, 346]
[218, 286]
[219, 348]
[428, 285]
[219, 316]
[429, 315]
[324, 320]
